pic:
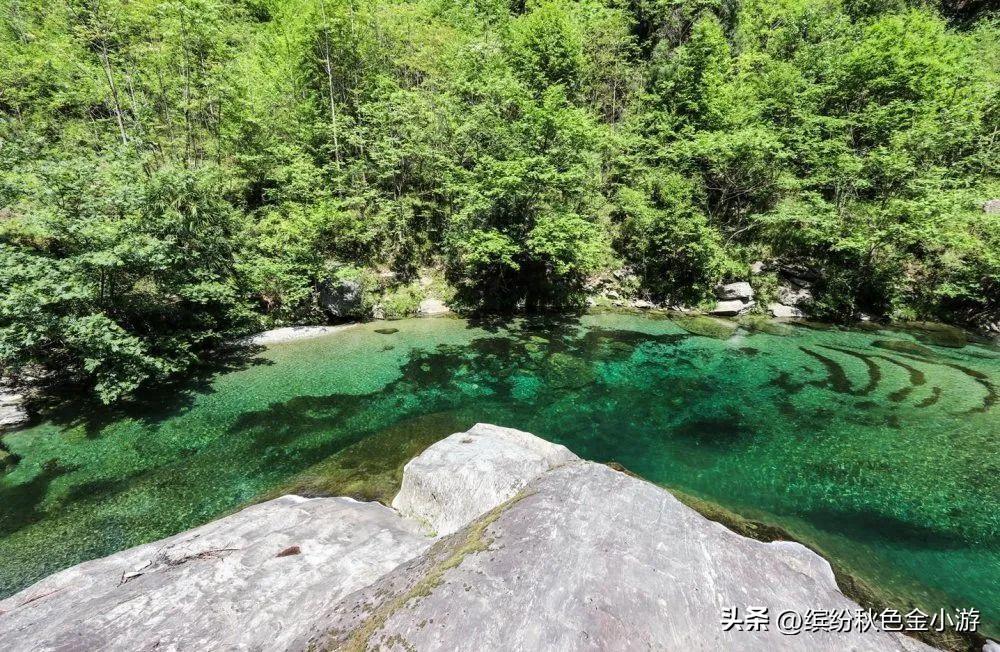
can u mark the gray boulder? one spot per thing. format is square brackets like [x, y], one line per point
[782, 311]
[798, 273]
[13, 413]
[470, 473]
[740, 290]
[732, 308]
[793, 295]
[340, 298]
[734, 299]
[993, 207]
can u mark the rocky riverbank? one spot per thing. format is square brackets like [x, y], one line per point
[497, 539]
[293, 333]
[13, 410]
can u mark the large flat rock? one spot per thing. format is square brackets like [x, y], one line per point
[732, 307]
[222, 586]
[587, 558]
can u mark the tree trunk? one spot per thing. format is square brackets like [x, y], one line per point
[114, 92]
[328, 66]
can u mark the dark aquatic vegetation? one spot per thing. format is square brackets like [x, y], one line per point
[937, 334]
[881, 456]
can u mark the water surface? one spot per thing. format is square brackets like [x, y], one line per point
[877, 450]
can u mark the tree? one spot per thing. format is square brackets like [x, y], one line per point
[173, 173]
[527, 235]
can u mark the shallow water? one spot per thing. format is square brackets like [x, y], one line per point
[883, 457]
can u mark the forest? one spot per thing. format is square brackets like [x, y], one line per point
[177, 173]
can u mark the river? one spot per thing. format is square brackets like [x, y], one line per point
[879, 450]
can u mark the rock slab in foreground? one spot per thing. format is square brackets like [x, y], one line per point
[587, 558]
[560, 554]
[253, 580]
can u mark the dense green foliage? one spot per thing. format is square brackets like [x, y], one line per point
[174, 172]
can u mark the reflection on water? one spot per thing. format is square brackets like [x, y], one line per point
[879, 450]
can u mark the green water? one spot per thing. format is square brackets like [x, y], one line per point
[886, 460]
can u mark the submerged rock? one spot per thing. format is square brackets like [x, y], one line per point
[818, 325]
[386, 331]
[564, 371]
[903, 346]
[705, 326]
[554, 553]
[761, 324]
[937, 334]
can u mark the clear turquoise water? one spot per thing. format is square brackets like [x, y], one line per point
[886, 461]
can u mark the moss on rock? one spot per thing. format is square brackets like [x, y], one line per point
[903, 346]
[706, 326]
